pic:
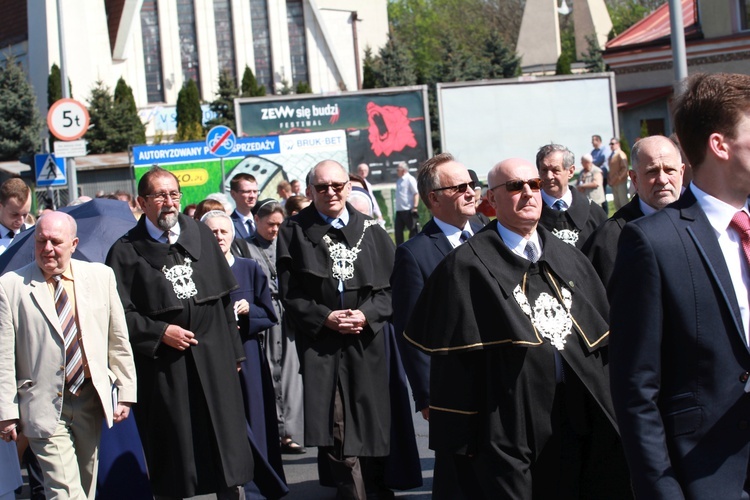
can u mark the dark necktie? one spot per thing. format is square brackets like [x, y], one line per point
[465, 235]
[250, 227]
[560, 205]
[74, 374]
[11, 234]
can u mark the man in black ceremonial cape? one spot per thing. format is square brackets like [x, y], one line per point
[174, 283]
[334, 264]
[519, 386]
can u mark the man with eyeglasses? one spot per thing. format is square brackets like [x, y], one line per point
[243, 188]
[407, 203]
[447, 189]
[568, 214]
[174, 283]
[333, 265]
[515, 323]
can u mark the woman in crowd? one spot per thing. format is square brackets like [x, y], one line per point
[591, 180]
[255, 313]
[279, 346]
[294, 204]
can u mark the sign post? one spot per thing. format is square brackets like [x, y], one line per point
[220, 141]
[68, 120]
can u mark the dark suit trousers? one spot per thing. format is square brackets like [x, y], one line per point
[405, 219]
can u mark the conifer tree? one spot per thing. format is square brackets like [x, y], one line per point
[223, 105]
[189, 113]
[115, 124]
[250, 87]
[19, 117]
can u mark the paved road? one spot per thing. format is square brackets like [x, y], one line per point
[302, 473]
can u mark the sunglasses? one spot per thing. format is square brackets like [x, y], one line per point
[516, 185]
[336, 186]
[460, 188]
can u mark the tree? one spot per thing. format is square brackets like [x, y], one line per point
[396, 66]
[54, 85]
[625, 13]
[303, 88]
[499, 59]
[368, 70]
[189, 113]
[250, 87]
[563, 65]
[115, 124]
[593, 56]
[19, 115]
[223, 105]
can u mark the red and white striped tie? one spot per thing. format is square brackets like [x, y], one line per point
[74, 375]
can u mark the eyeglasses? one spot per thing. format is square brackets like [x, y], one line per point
[162, 197]
[460, 188]
[516, 185]
[336, 186]
[612, 143]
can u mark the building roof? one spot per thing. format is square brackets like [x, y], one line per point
[655, 28]
[633, 98]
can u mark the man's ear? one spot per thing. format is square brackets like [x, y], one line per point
[718, 146]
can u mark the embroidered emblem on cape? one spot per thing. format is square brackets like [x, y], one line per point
[569, 236]
[181, 277]
[548, 316]
[344, 258]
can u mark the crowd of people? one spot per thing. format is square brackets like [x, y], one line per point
[557, 352]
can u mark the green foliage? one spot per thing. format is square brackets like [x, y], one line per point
[498, 60]
[115, 124]
[223, 105]
[250, 87]
[593, 57]
[303, 88]
[285, 89]
[368, 70]
[396, 67]
[189, 113]
[625, 13]
[21, 125]
[54, 85]
[563, 65]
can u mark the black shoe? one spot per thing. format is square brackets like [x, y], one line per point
[291, 447]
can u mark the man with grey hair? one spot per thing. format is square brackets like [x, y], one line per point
[407, 203]
[333, 265]
[657, 176]
[566, 213]
[363, 169]
[174, 283]
[591, 180]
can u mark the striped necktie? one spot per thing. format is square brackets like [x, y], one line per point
[465, 235]
[73, 356]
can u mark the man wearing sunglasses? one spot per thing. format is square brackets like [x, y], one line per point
[333, 265]
[568, 214]
[515, 323]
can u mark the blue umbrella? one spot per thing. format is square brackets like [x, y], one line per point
[100, 223]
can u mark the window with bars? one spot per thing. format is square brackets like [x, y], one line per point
[152, 51]
[295, 15]
[262, 44]
[188, 41]
[225, 37]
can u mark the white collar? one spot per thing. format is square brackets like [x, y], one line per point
[452, 232]
[549, 200]
[516, 242]
[718, 212]
[157, 233]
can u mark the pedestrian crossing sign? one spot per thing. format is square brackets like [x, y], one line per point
[50, 171]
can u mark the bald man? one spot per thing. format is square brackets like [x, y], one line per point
[515, 322]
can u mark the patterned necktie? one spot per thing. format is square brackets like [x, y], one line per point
[560, 205]
[73, 357]
[741, 224]
[465, 235]
[165, 237]
[531, 252]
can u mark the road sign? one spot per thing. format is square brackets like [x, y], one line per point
[50, 171]
[70, 149]
[220, 141]
[68, 119]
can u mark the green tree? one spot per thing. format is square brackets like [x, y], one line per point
[396, 66]
[189, 113]
[115, 124]
[499, 60]
[625, 13]
[223, 105]
[54, 85]
[19, 115]
[250, 87]
[303, 88]
[368, 70]
[593, 56]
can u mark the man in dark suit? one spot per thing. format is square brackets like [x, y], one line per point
[680, 363]
[657, 176]
[244, 191]
[568, 214]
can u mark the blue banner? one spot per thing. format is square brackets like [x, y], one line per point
[198, 151]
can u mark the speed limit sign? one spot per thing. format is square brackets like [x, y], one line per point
[68, 119]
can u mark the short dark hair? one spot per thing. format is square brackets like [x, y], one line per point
[428, 179]
[234, 184]
[14, 188]
[156, 171]
[597, 137]
[710, 103]
[568, 157]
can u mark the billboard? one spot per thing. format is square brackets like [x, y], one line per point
[269, 159]
[383, 127]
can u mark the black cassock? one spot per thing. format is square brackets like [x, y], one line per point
[497, 400]
[357, 362]
[575, 224]
[189, 413]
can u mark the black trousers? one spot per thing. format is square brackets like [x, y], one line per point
[405, 219]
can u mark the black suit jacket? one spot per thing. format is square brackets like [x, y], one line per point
[240, 229]
[679, 358]
[415, 261]
[601, 246]
[575, 224]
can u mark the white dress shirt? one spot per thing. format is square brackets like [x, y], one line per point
[452, 232]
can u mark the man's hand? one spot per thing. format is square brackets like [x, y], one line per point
[241, 307]
[347, 321]
[121, 412]
[9, 430]
[425, 413]
[178, 338]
